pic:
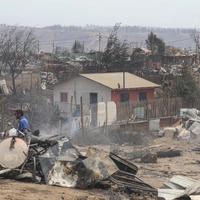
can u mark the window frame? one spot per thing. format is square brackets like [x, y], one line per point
[122, 97]
[142, 94]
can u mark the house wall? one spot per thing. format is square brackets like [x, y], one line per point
[82, 87]
[133, 95]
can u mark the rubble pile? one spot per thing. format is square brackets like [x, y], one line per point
[189, 126]
[55, 161]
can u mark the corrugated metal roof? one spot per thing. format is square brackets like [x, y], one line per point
[115, 80]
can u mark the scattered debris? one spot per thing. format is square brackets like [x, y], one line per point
[55, 161]
[170, 153]
[189, 127]
[180, 187]
[149, 158]
[154, 126]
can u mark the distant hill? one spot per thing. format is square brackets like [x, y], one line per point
[89, 35]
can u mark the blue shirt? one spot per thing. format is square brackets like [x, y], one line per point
[23, 124]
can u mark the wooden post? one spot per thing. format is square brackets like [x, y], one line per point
[124, 80]
[71, 106]
[2, 116]
[147, 110]
[106, 113]
[81, 110]
[71, 110]
[60, 126]
[22, 82]
[31, 80]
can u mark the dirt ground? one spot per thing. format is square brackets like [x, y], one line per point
[188, 164]
[13, 190]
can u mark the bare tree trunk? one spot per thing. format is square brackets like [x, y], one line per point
[13, 83]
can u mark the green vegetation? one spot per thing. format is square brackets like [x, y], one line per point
[186, 87]
[116, 52]
[155, 44]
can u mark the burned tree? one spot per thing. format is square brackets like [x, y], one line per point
[77, 47]
[16, 48]
[196, 39]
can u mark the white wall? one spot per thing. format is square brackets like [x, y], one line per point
[82, 87]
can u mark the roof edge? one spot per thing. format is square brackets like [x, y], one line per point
[81, 75]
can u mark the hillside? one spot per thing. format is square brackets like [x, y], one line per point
[89, 35]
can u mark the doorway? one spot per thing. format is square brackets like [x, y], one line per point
[93, 106]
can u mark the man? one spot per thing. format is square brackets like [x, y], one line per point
[23, 124]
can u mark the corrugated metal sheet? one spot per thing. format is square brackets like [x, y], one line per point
[183, 181]
[191, 189]
[169, 194]
[115, 80]
[194, 197]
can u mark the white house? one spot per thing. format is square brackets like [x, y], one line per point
[102, 87]
[81, 86]
[67, 96]
[94, 88]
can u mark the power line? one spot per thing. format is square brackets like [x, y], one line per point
[176, 41]
[100, 36]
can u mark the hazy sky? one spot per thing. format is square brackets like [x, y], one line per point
[160, 13]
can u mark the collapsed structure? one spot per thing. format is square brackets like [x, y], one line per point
[55, 161]
[188, 127]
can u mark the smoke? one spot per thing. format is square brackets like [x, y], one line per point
[105, 135]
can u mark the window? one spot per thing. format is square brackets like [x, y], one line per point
[142, 96]
[124, 97]
[63, 97]
[93, 98]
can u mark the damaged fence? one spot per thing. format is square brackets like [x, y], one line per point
[160, 107]
[72, 117]
[106, 113]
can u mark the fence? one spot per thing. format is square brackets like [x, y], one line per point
[162, 107]
[84, 115]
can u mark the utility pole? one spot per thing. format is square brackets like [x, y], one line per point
[83, 47]
[197, 43]
[53, 46]
[197, 48]
[100, 37]
[38, 46]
